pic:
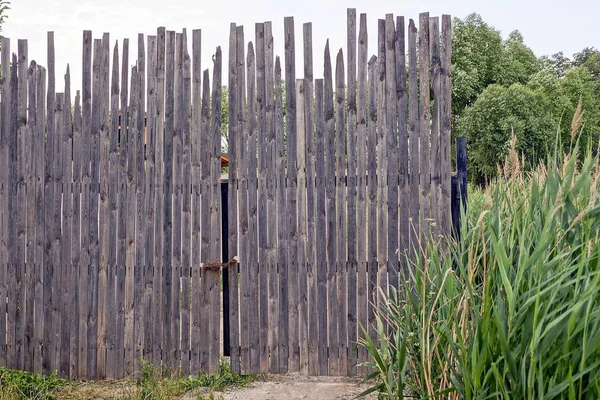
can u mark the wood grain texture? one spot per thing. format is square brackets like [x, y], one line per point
[5, 129]
[424, 125]
[446, 118]
[413, 129]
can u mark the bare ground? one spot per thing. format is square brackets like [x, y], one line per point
[296, 387]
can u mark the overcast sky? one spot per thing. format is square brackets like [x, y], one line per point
[548, 26]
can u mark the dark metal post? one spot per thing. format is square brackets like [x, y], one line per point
[225, 257]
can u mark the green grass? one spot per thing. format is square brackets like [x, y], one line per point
[151, 384]
[518, 316]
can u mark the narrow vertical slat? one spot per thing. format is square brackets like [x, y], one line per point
[413, 129]
[270, 185]
[76, 269]
[302, 228]
[446, 118]
[351, 147]
[329, 134]
[372, 194]
[436, 154]
[311, 260]
[403, 182]
[382, 165]
[112, 307]
[461, 170]
[168, 344]
[130, 227]
[122, 245]
[263, 272]
[281, 222]
[12, 206]
[251, 255]
[31, 215]
[140, 211]
[320, 227]
[292, 184]
[205, 218]
[21, 205]
[186, 209]
[104, 228]
[196, 168]
[93, 216]
[340, 205]
[159, 128]
[5, 129]
[150, 272]
[177, 198]
[424, 125]
[361, 174]
[235, 275]
[215, 215]
[40, 201]
[58, 280]
[67, 220]
[392, 149]
[83, 292]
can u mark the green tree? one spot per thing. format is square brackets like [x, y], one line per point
[519, 62]
[558, 64]
[496, 113]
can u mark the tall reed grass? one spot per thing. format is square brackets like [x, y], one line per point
[512, 311]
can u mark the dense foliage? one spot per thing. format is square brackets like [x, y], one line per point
[512, 310]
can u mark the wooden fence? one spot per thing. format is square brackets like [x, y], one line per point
[111, 233]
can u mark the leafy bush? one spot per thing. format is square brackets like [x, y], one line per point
[513, 310]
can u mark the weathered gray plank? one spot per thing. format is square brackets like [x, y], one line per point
[252, 248]
[93, 216]
[340, 205]
[104, 205]
[445, 117]
[159, 129]
[361, 174]
[436, 160]
[114, 163]
[122, 252]
[21, 204]
[236, 95]
[31, 214]
[281, 222]
[130, 227]
[311, 260]
[302, 228]
[413, 128]
[215, 215]
[40, 203]
[205, 218]
[186, 210]
[67, 218]
[5, 128]
[83, 293]
[292, 184]
[329, 134]
[150, 301]
[168, 340]
[372, 194]
[12, 200]
[263, 272]
[382, 165]
[424, 125]
[57, 278]
[402, 105]
[76, 269]
[320, 231]
[140, 211]
[196, 169]
[392, 149]
[271, 213]
[351, 147]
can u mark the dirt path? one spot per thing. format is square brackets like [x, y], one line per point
[297, 387]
